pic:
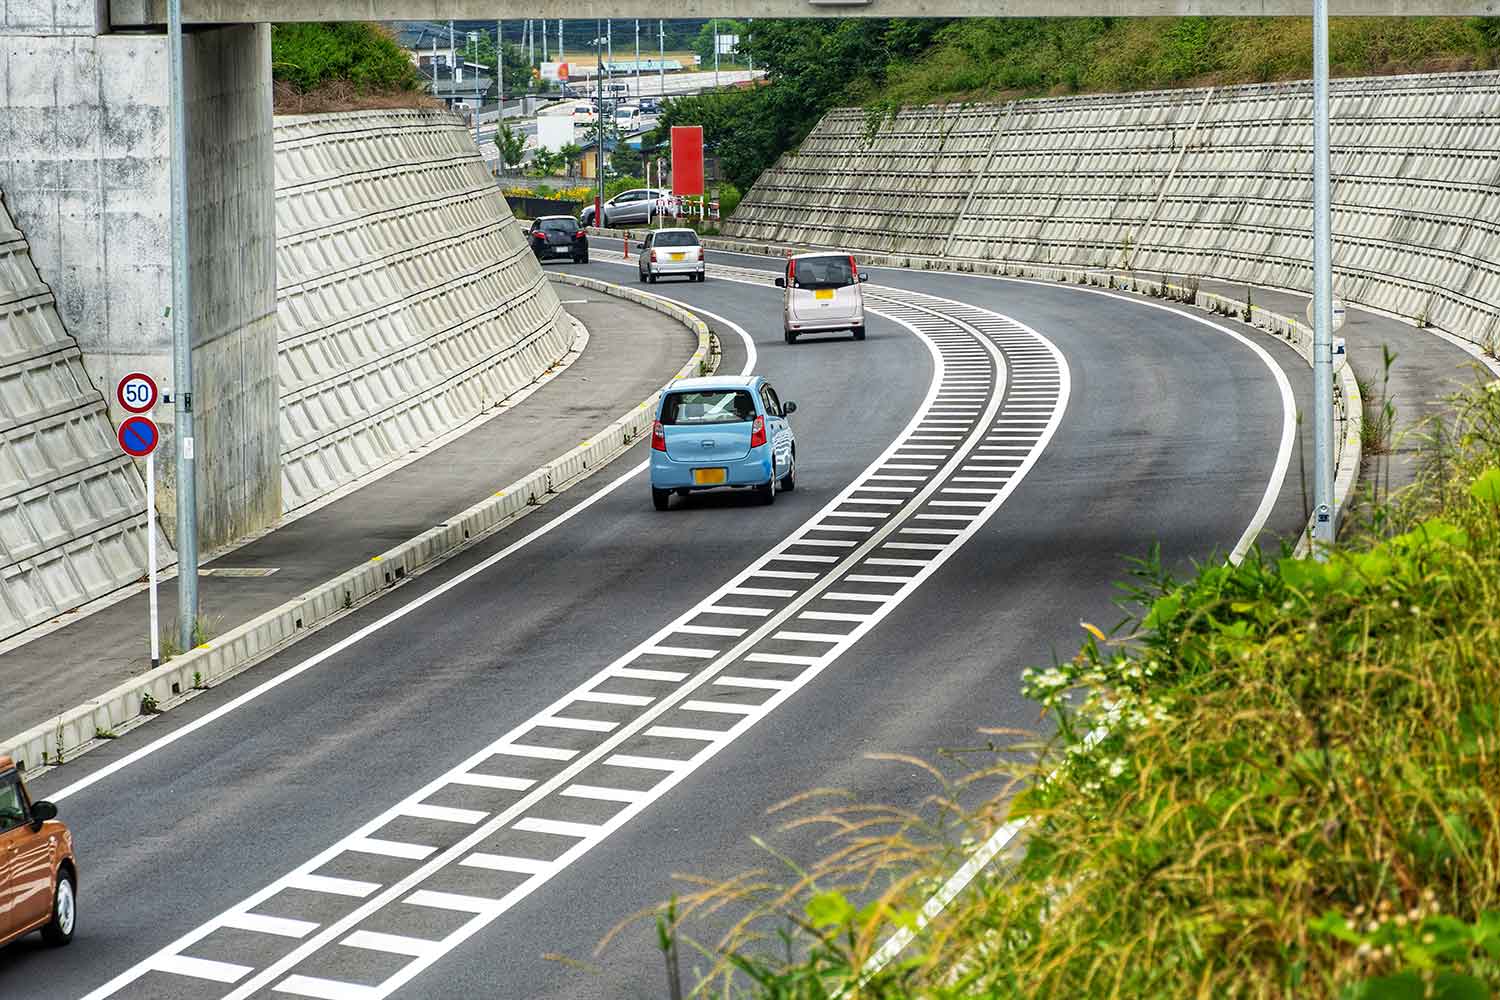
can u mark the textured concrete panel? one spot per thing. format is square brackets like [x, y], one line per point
[408, 301]
[72, 507]
[1214, 182]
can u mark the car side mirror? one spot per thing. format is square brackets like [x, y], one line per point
[640, 246]
[780, 282]
[788, 408]
[41, 812]
[863, 276]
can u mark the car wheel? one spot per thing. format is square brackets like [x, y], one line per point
[661, 499]
[59, 931]
[859, 333]
[584, 259]
[651, 278]
[767, 493]
[641, 275]
[789, 481]
[791, 338]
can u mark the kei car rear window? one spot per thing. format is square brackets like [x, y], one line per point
[824, 272]
[675, 239]
[711, 406]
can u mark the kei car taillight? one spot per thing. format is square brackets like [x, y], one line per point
[658, 437]
[653, 256]
[758, 432]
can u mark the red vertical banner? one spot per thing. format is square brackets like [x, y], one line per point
[687, 159]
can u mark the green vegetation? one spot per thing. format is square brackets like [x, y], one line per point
[883, 63]
[1275, 779]
[360, 57]
[511, 144]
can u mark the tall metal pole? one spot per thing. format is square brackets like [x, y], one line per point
[500, 73]
[560, 56]
[1323, 526]
[599, 125]
[609, 39]
[716, 53]
[182, 344]
[661, 55]
[637, 59]
[545, 40]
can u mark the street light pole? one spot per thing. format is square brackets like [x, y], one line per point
[637, 59]
[182, 345]
[716, 53]
[598, 126]
[661, 55]
[500, 73]
[1323, 526]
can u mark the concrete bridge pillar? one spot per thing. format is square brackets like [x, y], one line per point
[85, 128]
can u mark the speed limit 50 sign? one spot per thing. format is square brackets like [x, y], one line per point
[137, 392]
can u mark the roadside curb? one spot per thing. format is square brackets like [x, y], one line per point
[79, 729]
[1347, 401]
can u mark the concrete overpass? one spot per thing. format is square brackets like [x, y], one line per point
[147, 13]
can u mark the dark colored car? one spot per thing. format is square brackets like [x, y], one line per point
[554, 236]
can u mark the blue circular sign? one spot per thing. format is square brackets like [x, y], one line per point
[139, 436]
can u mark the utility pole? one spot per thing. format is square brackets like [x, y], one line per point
[545, 40]
[661, 55]
[1323, 526]
[609, 36]
[716, 53]
[560, 56]
[500, 73]
[599, 125]
[182, 346]
[637, 59]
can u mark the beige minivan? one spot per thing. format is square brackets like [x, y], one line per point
[38, 877]
[822, 295]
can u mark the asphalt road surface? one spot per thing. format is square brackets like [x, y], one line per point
[459, 789]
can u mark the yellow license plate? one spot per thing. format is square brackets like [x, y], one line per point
[708, 477]
[823, 293]
[678, 256]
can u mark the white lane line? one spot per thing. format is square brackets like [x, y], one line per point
[686, 733]
[325, 989]
[720, 630]
[640, 763]
[582, 725]
[722, 707]
[508, 863]
[784, 574]
[601, 794]
[557, 827]
[874, 515]
[743, 612]
[262, 924]
[395, 944]
[379, 624]
[794, 557]
[642, 674]
[327, 883]
[944, 517]
[729, 680]
[808, 637]
[687, 652]
[875, 578]
[828, 543]
[832, 616]
[491, 781]
[606, 698]
[452, 901]
[859, 529]
[838, 595]
[446, 814]
[785, 659]
[760, 592]
[389, 848]
[201, 968]
[896, 562]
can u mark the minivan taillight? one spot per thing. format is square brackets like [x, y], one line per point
[853, 269]
[758, 432]
[658, 437]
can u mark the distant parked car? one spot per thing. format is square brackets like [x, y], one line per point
[712, 433]
[668, 252]
[628, 118]
[38, 876]
[554, 236]
[584, 114]
[635, 207]
[822, 295]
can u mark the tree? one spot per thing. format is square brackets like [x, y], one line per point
[571, 154]
[545, 163]
[512, 145]
[704, 44]
[481, 50]
[309, 55]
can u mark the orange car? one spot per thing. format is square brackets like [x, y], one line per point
[38, 877]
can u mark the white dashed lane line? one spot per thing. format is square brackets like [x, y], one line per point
[371, 912]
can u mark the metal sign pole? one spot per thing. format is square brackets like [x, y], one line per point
[661, 55]
[1323, 526]
[151, 555]
[182, 344]
[599, 124]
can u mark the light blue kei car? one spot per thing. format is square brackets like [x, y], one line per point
[713, 433]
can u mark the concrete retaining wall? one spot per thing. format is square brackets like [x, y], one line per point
[408, 301]
[1215, 182]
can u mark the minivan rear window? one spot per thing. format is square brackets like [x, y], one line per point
[674, 239]
[709, 406]
[824, 272]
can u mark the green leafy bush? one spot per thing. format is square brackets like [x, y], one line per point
[310, 55]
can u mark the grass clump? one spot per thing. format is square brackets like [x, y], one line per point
[342, 67]
[1280, 778]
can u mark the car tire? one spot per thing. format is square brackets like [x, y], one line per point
[661, 499]
[767, 492]
[59, 930]
[791, 338]
[641, 275]
[651, 278]
[789, 481]
[859, 333]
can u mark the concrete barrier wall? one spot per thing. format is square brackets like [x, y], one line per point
[1214, 182]
[72, 507]
[407, 300]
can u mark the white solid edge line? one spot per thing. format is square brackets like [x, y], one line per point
[997, 841]
[375, 626]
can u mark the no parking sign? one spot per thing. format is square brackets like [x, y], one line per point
[139, 436]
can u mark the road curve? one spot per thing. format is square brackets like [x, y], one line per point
[322, 793]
